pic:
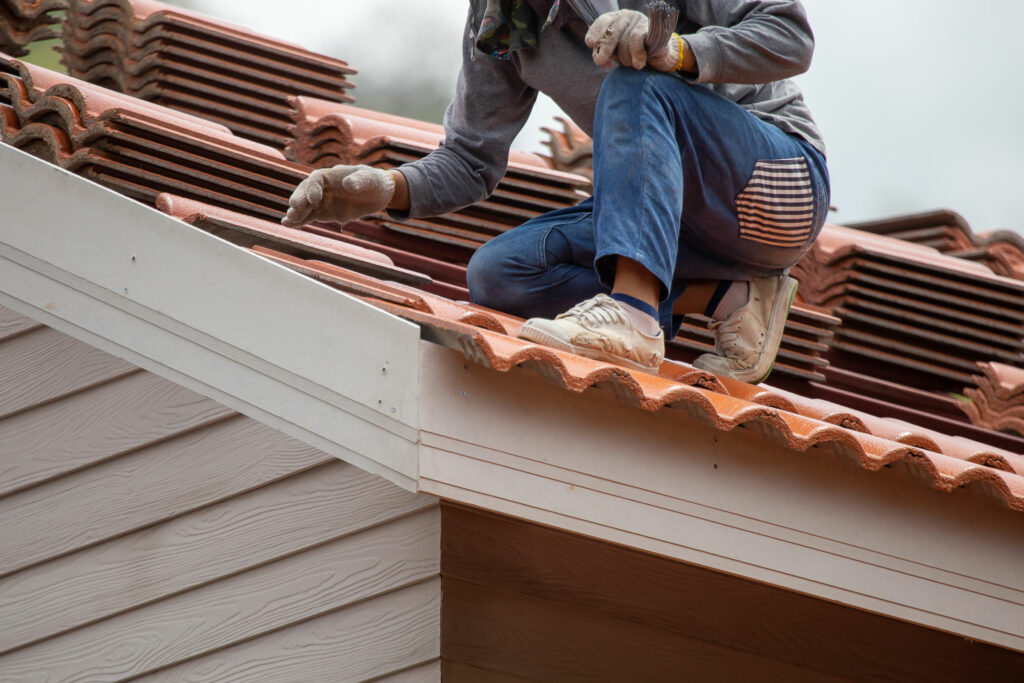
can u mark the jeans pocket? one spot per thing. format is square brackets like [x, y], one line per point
[777, 206]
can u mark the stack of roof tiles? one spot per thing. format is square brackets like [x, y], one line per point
[137, 148]
[571, 149]
[198, 65]
[913, 311]
[1000, 250]
[26, 21]
[998, 401]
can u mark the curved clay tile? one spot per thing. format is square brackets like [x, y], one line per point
[998, 401]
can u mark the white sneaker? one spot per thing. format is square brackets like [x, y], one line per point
[747, 342]
[599, 328]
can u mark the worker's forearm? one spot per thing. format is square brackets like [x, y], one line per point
[400, 200]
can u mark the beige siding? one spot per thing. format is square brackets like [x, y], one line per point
[151, 532]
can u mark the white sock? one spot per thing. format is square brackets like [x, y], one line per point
[643, 321]
[737, 295]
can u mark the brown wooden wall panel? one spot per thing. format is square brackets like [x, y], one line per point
[150, 531]
[457, 672]
[237, 608]
[144, 487]
[393, 632]
[12, 323]
[330, 502]
[423, 673]
[96, 424]
[44, 365]
[541, 640]
[493, 563]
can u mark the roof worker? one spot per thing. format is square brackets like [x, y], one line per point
[709, 176]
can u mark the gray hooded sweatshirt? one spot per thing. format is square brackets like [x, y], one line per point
[745, 51]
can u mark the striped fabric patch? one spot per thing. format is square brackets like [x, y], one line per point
[777, 205]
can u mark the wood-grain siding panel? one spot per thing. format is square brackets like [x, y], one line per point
[320, 505]
[571, 572]
[97, 424]
[368, 640]
[541, 640]
[12, 323]
[145, 487]
[43, 365]
[247, 605]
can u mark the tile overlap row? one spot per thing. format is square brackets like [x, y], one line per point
[997, 402]
[1001, 250]
[23, 22]
[911, 308]
[139, 148]
[190, 62]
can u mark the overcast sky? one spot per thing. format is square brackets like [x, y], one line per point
[919, 100]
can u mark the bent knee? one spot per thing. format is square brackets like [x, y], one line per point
[487, 277]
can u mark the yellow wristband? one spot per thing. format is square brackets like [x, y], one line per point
[682, 52]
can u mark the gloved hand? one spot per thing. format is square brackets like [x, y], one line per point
[340, 194]
[621, 35]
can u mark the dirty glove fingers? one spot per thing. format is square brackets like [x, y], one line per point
[604, 37]
[597, 29]
[632, 52]
[315, 188]
[619, 35]
[296, 217]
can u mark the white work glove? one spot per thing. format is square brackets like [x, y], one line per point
[621, 35]
[339, 194]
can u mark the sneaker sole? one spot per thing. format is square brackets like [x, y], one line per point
[545, 339]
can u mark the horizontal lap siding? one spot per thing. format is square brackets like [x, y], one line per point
[149, 531]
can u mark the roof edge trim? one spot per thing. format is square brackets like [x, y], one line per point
[211, 316]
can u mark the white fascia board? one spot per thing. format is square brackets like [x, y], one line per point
[735, 502]
[280, 347]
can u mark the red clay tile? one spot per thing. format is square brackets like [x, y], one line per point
[998, 401]
[249, 231]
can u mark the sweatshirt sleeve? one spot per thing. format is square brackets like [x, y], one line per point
[490, 107]
[749, 41]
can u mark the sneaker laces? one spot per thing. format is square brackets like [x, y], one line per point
[597, 311]
[728, 334]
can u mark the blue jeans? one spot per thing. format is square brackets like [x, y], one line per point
[686, 183]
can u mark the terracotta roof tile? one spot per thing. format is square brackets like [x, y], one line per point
[141, 148]
[997, 403]
[948, 232]
[248, 231]
[196, 64]
[22, 23]
[910, 307]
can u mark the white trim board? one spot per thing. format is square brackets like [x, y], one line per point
[282, 348]
[734, 502]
